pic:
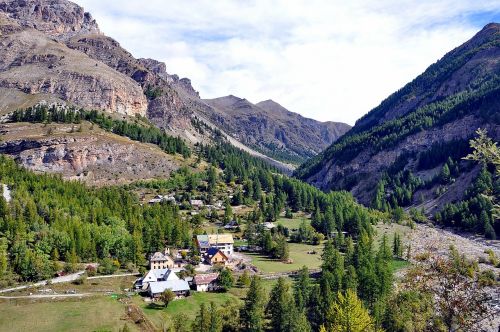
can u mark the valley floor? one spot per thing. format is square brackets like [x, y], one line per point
[105, 302]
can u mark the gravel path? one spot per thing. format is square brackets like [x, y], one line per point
[66, 278]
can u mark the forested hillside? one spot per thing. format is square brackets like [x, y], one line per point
[51, 220]
[408, 151]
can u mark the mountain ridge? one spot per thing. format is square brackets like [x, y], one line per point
[439, 110]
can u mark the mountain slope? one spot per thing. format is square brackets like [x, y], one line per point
[419, 127]
[53, 51]
[271, 129]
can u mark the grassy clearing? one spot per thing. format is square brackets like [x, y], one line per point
[293, 223]
[398, 264]
[88, 314]
[190, 306]
[390, 229]
[299, 255]
[161, 316]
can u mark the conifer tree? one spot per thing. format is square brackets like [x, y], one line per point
[348, 314]
[302, 288]
[252, 313]
[280, 307]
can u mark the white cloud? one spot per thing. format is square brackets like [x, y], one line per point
[329, 60]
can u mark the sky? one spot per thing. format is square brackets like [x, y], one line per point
[328, 60]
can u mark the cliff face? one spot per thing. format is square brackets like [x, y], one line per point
[446, 104]
[59, 19]
[88, 154]
[32, 63]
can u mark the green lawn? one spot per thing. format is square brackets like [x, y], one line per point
[390, 229]
[398, 264]
[299, 255]
[293, 223]
[90, 314]
[190, 305]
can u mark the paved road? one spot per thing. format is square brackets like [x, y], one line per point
[67, 278]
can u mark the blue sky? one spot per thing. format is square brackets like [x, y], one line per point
[326, 59]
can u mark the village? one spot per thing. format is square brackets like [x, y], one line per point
[216, 251]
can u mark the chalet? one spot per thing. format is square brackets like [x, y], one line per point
[224, 242]
[170, 281]
[215, 256]
[206, 282]
[152, 276]
[196, 203]
[161, 260]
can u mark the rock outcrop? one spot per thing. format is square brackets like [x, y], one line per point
[33, 63]
[92, 155]
[59, 19]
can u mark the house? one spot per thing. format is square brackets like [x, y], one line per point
[233, 224]
[161, 198]
[179, 287]
[161, 260]
[157, 275]
[206, 282]
[224, 242]
[196, 203]
[215, 256]
[157, 281]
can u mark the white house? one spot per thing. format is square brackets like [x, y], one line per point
[206, 282]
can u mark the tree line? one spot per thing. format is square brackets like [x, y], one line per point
[133, 130]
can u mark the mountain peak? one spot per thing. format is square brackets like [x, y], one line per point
[59, 18]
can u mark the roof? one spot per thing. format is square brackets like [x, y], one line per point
[206, 278]
[178, 285]
[196, 202]
[213, 239]
[158, 256]
[212, 251]
[165, 274]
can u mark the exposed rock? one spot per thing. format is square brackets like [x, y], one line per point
[34, 64]
[60, 19]
[95, 157]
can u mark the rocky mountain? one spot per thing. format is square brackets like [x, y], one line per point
[271, 129]
[53, 51]
[408, 138]
[84, 152]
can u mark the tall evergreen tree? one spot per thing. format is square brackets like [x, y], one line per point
[252, 313]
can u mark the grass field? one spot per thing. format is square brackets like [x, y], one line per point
[299, 255]
[161, 316]
[88, 314]
[390, 229]
[293, 223]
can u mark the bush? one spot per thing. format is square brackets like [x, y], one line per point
[108, 266]
[81, 280]
[91, 270]
[131, 267]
